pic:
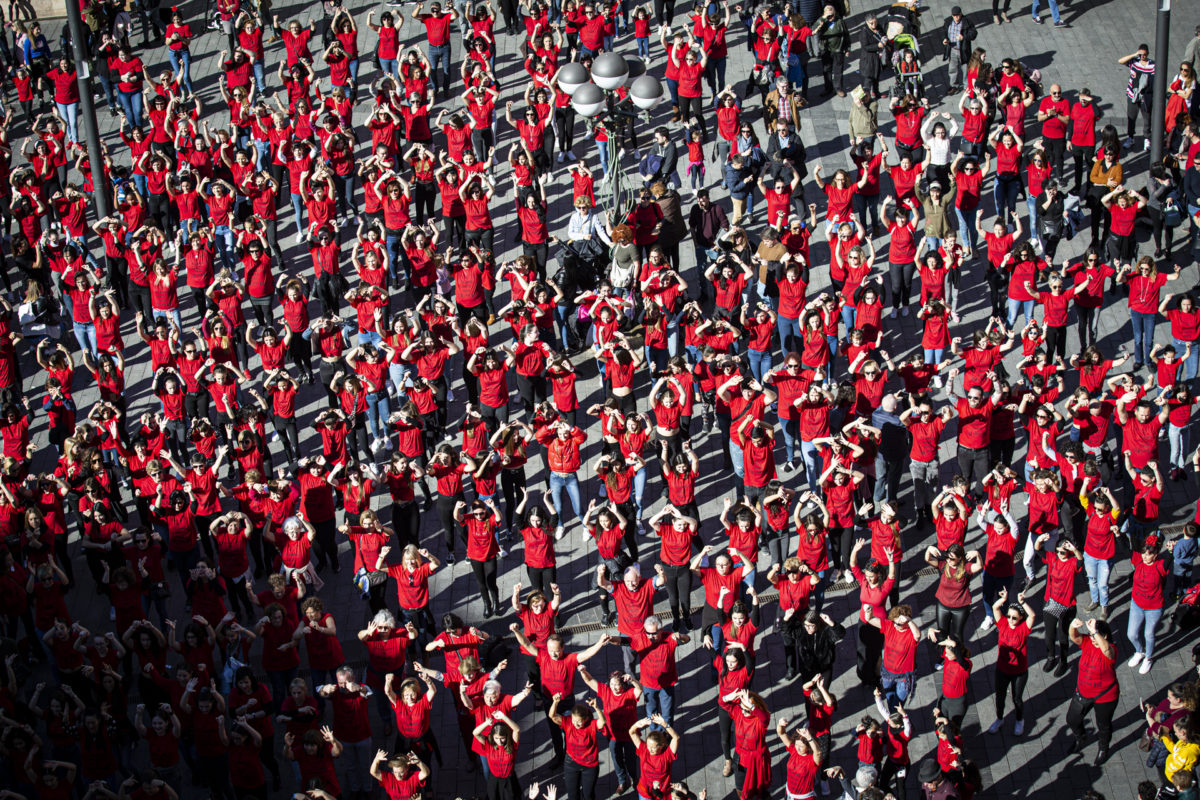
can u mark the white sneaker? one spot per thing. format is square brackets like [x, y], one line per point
[376, 445]
[848, 576]
[936, 382]
[1145, 144]
[986, 625]
[1149, 662]
[996, 726]
[1019, 728]
[1137, 659]
[558, 532]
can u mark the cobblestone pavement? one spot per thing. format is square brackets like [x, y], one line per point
[1037, 765]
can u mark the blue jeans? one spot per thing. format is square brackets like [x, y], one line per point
[791, 433]
[369, 337]
[1178, 437]
[624, 761]
[1004, 194]
[1032, 206]
[660, 701]
[298, 212]
[639, 489]
[812, 463]
[70, 113]
[353, 67]
[934, 356]
[1189, 366]
[377, 409]
[131, 104]
[991, 589]
[896, 688]
[1018, 307]
[260, 77]
[602, 147]
[1053, 9]
[966, 226]
[394, 244]
[643, 46]
[1139, 619]
[181, 62]
[439, 55]
[1143, 335]
[388, 65]
[224, 237]
[85, 334]
[559, 481]
[789, 334]
[760, 363]
[170, 315]
[1097, 576]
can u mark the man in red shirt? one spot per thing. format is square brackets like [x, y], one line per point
[974, 428]
[557, 669]
[655, 650]
[926, 429]
[437, 34]
[1054, 112]
[352, 727]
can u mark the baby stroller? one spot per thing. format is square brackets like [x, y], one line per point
[906, 61]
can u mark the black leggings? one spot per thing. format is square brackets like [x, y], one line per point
[1017, 682]
[512, 483]
[485, 576]
[581, 781]
[288, 435]
[725, 721]
[406, 522]
[1056, 341]
[679, 591]
[870, 650]
[1057, 630]
[564, 117]
[953, 620]
[445, 512]
[1078, 710]
[902, 279]
[542, 578]
[693, 107]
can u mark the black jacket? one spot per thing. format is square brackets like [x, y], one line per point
[968, 34]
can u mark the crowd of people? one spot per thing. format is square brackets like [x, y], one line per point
[217, 504]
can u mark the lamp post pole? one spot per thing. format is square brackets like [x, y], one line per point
[87, 109]
[1158, 106]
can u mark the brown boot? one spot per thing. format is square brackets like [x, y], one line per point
[675, 115]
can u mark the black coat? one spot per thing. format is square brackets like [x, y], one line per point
[818, 651]
[874, 51]
[966, 45]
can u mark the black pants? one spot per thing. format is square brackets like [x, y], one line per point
[953, 620]
[1085, 327]
[512, 483]
[902, 278]
[445, 512]
[406, 522]
[955, 708]
[1156, 220]
[1078, 710]
[833, 68]
[973, 463]
[542, 578]
[326, 543]
[424, 195]
[693, 107]
[581, 781]
[485, 577]
[539, 253]
[565, 119]
[870, 649]
[664, 12]
[288, 435]
[997, 283]
[482, 143]
[1057, 631]
[1083, 156]
[556, 733]
[679, 591]
[893, 770]
[725, 722]
[300, 350]
[1005, 682]
[1132, 111]
[1056, 341]
[1056, 151]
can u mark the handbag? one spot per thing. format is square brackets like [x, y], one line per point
[1146, 742]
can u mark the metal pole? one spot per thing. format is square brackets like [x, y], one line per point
[87, 109]
[1162, 60]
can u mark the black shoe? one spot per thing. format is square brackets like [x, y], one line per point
[1137, 365]
[609, 618]
[1063, 666]
[1076, 745]
[450, 559]
[488, 612]
[790, 675]
[1049, 664]
[1101, 756]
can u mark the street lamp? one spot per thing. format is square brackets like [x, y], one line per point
[594, 97]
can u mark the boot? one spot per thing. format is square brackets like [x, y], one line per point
[675, 115]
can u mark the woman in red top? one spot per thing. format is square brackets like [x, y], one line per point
[955, 567]
[751, 721]
[956, 675]
[499, 748]
[656, 754]
[804, 761]
[900, 637]
[840, 193]
[314, 758]
[580, 731]
[482, 549]
[1097, 688]
[1185, 329]
[1012, 660]
[1123, 206]
[475, 193]
[689, 71]
[1146, 607]
[1145, 285]
[1059, 611]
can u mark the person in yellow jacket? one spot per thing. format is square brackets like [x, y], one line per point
[1183, 749]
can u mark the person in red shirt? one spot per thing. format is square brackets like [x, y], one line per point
[1059, 614]
[496, 739]
[1145, 285]
[483, 549]
[1150, 572]
[1097, 689]
[405, 776]
[1012, 661]
[580, 730]
[1082, 143]
[656, 752]
[900, 637]
[974, 429]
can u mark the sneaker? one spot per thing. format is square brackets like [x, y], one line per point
[848, 576]
[986, 625]
[559, 158]
[450, 560]
[1037, 19]
[558, 533]
[1145, 144]
[387, 443]
[936, 382]
[1062, 668]
[894, 314]
[569, 155]
[1146, 665]
[1060, 24]
[1128, 143]
[996, 726]
[503, 551]
[1092, 606]
[376, 445]
[1019, 728]
[904, 311]
[1137, 659]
